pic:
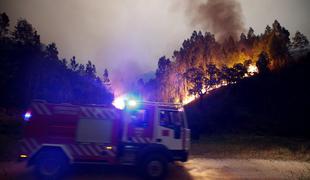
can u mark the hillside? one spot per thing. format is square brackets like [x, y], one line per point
[276, 103]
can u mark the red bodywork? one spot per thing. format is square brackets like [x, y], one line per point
[56, 125]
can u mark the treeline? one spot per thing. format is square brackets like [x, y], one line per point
[202, 63]
[30, 70]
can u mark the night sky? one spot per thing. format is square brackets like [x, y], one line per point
[122, 34]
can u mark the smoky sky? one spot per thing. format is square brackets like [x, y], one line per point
[128, 36]
[224, 18]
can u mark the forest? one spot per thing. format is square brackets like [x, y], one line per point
[203, 64]
[33, 70]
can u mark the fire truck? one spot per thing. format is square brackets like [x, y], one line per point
[148, 135]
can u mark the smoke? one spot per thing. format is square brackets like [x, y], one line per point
[124, 78]
[222, 17]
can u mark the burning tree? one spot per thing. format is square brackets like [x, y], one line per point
[203, 64]
[196, 78]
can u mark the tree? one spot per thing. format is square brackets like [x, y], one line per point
[263, 63]
[4, 25]
[73, 64]
[64, 62]
[251, 37]
[105, 78]
[250, 34]
[299, 40]
[212, 78]
[51, 52]
[268, 30]
[230, 75]
[81, 69]
[35, 67]
[196, 79]
[25, 34]
[239, 71]
[90, 69]
[163, 67]
[162, 77]
[224, 74]
[242, 37]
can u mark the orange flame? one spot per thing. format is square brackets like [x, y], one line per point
[251, 71]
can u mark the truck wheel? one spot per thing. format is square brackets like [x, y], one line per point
[155, 167]
[50, 166]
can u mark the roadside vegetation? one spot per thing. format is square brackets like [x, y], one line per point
[251, 147]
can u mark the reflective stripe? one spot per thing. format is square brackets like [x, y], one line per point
[84, 110]
[28, 145]
[84, 150]
[105, 115]
[111, 153]
[99, 113]
[92, 150]
[45, 109]
[111, 114]
[135, 140]
[148, 140]
[141, 139]
[37, 109]
[99, 148]
[91, 112]
[75, 148]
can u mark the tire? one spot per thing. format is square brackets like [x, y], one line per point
[154, 167]
[50, 165]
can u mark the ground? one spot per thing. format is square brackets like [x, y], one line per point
[195, 168]
[212, 157]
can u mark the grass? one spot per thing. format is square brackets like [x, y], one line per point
[257, 147]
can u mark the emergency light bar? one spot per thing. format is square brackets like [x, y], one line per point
[123, 102]
[27, 116]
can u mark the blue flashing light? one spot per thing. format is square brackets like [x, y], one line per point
[132, 103]
[27, 116]
[128, 101]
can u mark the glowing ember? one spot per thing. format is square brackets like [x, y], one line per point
[188, 99]
[252, 69]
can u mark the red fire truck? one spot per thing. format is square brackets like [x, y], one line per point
[148, 135]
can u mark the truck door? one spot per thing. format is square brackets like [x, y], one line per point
[170, 129]
[140, 129]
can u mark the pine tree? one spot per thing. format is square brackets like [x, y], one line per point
[263, 63]
[299, 40]
[4, 25]
[105, 79]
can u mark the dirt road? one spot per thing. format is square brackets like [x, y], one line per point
[196, 168]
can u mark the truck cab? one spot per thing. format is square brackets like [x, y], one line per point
[156, 129]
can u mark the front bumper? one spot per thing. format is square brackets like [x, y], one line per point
[180, 155]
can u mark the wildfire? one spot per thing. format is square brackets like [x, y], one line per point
[188, 99]
[251, 71]
[119, 102]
